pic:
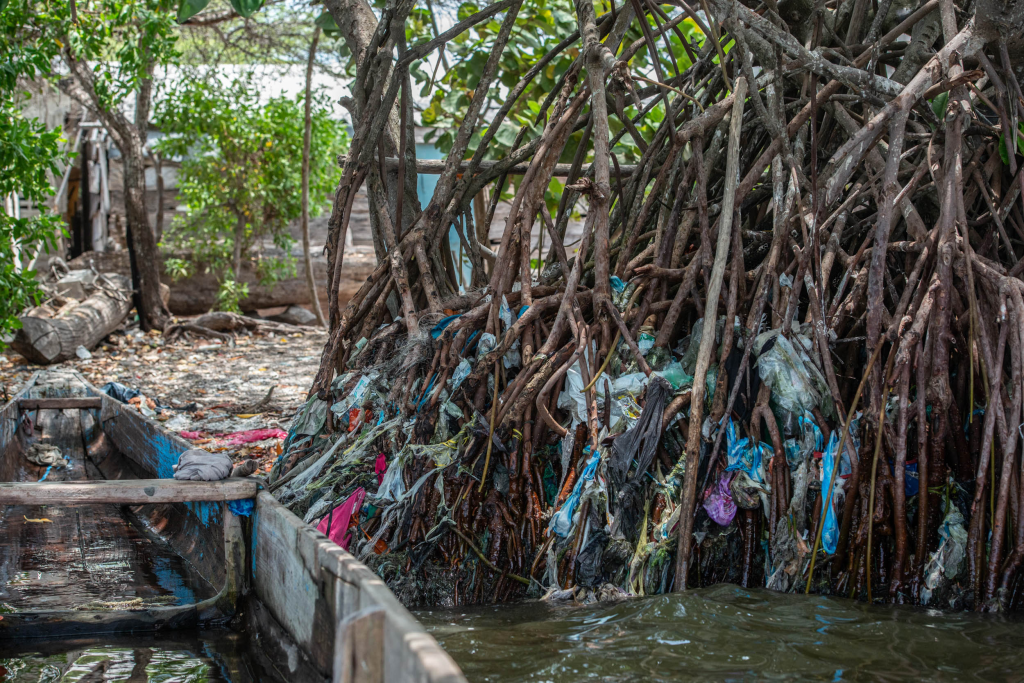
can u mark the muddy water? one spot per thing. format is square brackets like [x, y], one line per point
[728, 633]
[193, 657]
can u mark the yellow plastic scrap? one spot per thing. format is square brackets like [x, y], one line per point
[38, 521]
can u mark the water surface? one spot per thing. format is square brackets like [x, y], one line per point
[180, 657]
[727, 633]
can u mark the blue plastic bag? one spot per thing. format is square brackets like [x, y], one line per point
[243, 507]
[561, 521]
[744, 457]
[830, 530]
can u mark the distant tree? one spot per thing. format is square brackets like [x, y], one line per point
[110, 50]
[241, 174]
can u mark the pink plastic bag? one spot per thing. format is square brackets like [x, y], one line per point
[340, 517]
[718, 501]
[380, 467]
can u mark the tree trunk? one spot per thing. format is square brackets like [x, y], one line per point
[236, 256]
[158, 168]
[307, 134]
[141, 240]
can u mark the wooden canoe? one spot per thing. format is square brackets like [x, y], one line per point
[111, 543]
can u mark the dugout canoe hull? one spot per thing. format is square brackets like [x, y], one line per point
[313, 610]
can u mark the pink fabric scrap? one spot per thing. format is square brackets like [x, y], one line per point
[380, 467]
[252, 435]
[340, 517]
[719, 503]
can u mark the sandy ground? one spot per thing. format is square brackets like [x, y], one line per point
[211, 392]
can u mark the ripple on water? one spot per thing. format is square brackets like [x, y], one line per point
[728, 633]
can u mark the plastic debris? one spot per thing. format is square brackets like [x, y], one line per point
[830, 528]
[336, 525]
[944, 564]
[562, 521]
[243, 507]
[785, 366]
[718, 501]
[252, 435]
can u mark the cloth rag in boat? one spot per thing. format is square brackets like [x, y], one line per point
[46, 455]
[196, 464]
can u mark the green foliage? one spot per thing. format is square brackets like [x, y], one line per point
[178, 268]
[230, 293]
[28, 153]
[190, 8]
[241, 173]
[246, 7]
[121, 40]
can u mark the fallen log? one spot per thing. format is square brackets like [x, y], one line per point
[52, 340]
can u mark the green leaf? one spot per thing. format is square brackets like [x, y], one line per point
[327, 23]
[939, 105]
[1002, 145]
[506, 134]
[3, 3]
[189, 8]
[246, 7]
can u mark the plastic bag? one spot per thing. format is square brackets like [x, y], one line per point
[486, 344]
[505, 313]
[743, 457]
[795, 382]
[562, 521]
[355, 397]
[310, 418]
[243, 507]
[944, 564]
[808, 441]
[747, 493]
[676, 375]
[830, 528]
[645, 342]
[689, 359]
[336, 525]
[718, 501]
[460, 374]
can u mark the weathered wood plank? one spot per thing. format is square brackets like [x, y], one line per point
[126, 491]
[83, 403]
[359, 648]
[310, 585]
